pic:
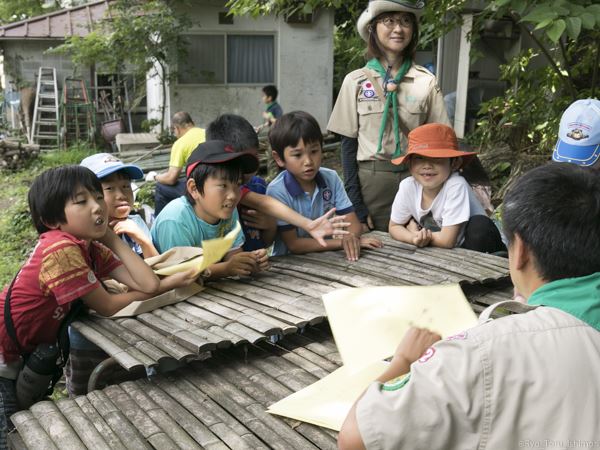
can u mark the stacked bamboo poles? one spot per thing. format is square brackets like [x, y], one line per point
[277, 303]
[218, 404]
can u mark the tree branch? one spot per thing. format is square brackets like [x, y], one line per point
[568, 80]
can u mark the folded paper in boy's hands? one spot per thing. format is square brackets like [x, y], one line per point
[212, 251]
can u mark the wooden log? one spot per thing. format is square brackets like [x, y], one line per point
[99, 423]
[31, 431]
[56, 426]
[83, 426]
[16, 145]
[177, 434]
[120, 425]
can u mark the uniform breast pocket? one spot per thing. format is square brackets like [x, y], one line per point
[365, 108]
[413, 112]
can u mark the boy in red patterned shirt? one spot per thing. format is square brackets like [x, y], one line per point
[75, 250]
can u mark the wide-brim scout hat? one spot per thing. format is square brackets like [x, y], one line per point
[579, 134]
[105, 164]
[218, 152]
[376, 7]
[433, 140]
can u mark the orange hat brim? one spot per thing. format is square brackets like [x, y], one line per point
[433, 153]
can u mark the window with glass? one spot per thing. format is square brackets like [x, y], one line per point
[228, 59]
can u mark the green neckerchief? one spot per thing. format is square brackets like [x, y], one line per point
[390, 99]
[269, 105]
[579, 297]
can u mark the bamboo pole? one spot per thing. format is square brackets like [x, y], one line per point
[83, 426]
[31, 431]
[99, 423]
[56, 426]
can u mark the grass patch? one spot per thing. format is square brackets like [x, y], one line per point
[17, 234]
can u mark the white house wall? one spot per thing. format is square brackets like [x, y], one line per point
[303, 69]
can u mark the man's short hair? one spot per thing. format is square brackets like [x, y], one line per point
[271, 91]
[51, 190]
[555, 210]
[235, 130]
[231, 171]
[182, 119]
[291, 127]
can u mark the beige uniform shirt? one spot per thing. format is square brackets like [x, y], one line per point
[524, 381]
[358, 110]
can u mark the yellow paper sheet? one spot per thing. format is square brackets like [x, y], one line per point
[164, 299]
[213, 251]
[326, 403]
[369, 323]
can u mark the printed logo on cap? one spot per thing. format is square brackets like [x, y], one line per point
[577, 134]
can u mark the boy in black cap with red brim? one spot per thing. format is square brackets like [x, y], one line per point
[208, 209]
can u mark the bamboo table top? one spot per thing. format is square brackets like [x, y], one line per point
[217, 404]
[282, 301]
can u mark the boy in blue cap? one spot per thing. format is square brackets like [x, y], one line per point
[116, 178]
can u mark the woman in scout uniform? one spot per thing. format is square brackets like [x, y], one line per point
[379, 104]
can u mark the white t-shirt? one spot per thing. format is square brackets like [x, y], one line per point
[454, 204]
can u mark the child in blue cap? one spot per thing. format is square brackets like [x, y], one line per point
[579, 134]
[116, 177]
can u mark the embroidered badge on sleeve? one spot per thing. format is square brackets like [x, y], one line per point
[396, 383]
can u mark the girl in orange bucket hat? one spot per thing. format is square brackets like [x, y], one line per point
[435, 205]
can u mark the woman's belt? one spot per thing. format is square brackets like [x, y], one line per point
[381, 165]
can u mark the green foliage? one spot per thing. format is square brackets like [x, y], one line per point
[145, 195]
[17, 238]
[526, 118]
[136, 36]
[17, 234]
[16, 10]
[257, 8]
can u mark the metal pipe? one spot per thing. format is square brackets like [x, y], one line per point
[98, 371]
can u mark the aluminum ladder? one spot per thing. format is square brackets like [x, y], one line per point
[44, 130]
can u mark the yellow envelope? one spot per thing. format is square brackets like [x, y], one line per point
[213, 251]
[369, 323]
[327, 402]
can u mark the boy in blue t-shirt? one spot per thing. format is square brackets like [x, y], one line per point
[259, 227]
[208, 210]
[309, 189]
